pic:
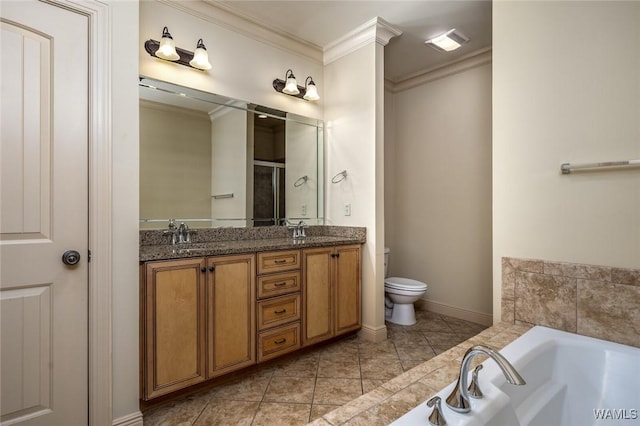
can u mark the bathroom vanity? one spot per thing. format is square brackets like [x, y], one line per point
[230, 300]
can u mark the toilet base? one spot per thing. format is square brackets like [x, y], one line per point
[403, 314]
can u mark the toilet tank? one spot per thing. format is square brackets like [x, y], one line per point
[386, 261]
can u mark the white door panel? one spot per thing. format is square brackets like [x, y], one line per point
[43, 213]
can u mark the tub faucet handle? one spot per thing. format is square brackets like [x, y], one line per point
[436, 418]
[474, 388]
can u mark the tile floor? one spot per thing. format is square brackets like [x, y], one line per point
[301, 389]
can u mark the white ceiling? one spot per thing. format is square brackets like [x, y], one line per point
[322, 22]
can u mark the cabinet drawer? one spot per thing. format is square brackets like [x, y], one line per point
[279, 341]
[278, 284]
[278, 311]
[278, 261]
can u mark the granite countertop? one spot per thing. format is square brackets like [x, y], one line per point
[400, 395]
[225, 247]
[218, 248]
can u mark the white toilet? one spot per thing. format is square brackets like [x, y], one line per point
[401, 293]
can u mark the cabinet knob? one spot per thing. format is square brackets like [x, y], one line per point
[203, 269]
[212, 268]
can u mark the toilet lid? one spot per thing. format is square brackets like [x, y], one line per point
[404, 284]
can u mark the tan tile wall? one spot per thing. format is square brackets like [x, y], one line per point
[596, 301]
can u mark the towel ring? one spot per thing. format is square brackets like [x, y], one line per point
[301, 181]
[339, 177]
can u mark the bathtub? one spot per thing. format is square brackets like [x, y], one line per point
[571, 380]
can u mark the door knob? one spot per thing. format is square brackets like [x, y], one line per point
[70, 257]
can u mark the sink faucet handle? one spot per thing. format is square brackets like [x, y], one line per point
[172, 224]
[474, 388]
[436, 418]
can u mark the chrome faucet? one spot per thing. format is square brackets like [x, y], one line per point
[179, 235]
[298, 230]
[172, 230]
[184, 233]
[458, 400]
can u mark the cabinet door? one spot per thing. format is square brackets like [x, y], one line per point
[174, 326]
[347, 289]
[231, 313]
[317, 295]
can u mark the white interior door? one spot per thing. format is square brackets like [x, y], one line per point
[44, 212]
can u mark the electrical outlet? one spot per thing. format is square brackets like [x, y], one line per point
[303, 210]
[347, 209]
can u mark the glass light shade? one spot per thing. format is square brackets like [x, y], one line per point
[200, 58]
[312, 92]
[291, 87]
[167, 49]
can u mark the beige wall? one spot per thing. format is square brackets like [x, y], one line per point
[301, 160]
[354, 88]
[438, 189]
[229, 159]
[175, 163]
[566, 88]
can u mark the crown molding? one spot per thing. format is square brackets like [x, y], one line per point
[472, 60]
[227, 17]
[376, 30]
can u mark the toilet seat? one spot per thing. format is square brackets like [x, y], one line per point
[405, 284]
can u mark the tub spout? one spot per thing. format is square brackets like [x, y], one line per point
[458, 400]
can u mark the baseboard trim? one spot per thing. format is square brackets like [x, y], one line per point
[373, 334]
[456, 312]
[133, 419]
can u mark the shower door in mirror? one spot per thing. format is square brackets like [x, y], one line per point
[268, 193]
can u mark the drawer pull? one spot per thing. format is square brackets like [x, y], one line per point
[281, 311]
[279, 342]
[280, 284]
[280, 261]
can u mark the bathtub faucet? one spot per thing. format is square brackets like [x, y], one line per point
[458, 400]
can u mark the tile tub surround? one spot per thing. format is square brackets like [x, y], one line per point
[222, 241]
[595, 301]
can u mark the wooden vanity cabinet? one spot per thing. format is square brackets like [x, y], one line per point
[331, 292]
[173, 325]
[278, 303]
[230, 313]
[198, 321]
[208, 316]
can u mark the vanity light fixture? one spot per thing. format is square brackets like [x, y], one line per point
[289, 86]
[451, 40]
[167, 50]
[310, 90]
[200, 57]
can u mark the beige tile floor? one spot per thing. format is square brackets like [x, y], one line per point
[301, 389]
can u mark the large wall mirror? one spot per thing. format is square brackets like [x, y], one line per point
[211, 161]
